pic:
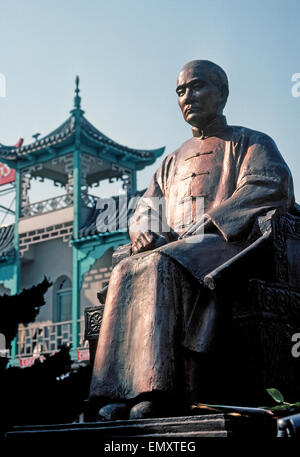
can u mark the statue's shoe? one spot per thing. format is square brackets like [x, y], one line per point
[114, 411]
[144, 410]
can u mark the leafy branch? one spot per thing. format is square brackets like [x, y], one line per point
[281, 404]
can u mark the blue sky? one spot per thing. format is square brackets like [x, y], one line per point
[128, 54]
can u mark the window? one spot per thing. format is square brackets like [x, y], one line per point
[63, 299]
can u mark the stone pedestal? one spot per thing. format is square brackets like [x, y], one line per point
[205, 426]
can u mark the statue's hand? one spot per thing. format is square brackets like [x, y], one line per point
[147, 241]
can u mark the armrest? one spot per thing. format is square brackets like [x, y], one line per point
[274, 256]
[245, 264]
[286, 245]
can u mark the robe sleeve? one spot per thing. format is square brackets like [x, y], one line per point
[264, 182]
[150, 211]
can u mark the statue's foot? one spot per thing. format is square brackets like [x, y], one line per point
[114, 411]
[144, 410]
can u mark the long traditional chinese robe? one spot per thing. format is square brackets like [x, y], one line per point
[155, 305]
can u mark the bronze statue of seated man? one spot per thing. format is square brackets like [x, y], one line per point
[161, 324]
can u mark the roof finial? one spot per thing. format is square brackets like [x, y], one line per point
[77, 98]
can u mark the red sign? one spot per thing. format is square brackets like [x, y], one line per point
[29, 361]
[83, 354]
[7, 175]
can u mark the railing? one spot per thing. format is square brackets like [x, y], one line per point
[40, 338]
[46, 206]
[53, 204]
[89, 200]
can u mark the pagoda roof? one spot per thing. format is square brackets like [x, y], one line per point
[91, 139]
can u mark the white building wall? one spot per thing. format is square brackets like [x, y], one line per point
[52, 258]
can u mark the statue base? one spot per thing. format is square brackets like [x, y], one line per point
[204, 426]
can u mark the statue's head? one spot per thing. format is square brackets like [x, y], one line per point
[202, 88]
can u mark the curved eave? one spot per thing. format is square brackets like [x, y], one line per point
[36, 155]
[111, 151]
[18, 157]
[120, 153]
[7, 154]
[64, 135]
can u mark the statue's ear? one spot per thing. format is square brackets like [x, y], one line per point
[224, 94]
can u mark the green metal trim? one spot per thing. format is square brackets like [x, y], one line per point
[98, 236]
[16, 280]
[47, 156]
[76, 226]
[124, 158]
[7, 275]
[16, 229]
[86, 238]
[105, 152]
[58, 303]
[75, 303]
[76, 193]
[134, 181]
[11, 163]
[88, 254]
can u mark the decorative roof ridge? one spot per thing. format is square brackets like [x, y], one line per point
[76, 122]
[96, 134]
[77, 100]
[65, 130]
[61, 132]
[8, 152]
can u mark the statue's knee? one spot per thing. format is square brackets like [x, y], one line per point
[131, 265]
[123, 267]
[158, 259]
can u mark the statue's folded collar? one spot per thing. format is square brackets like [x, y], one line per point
[212, 129]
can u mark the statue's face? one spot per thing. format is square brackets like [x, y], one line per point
[200, 100]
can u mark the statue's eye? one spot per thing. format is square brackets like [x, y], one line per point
[198, 85]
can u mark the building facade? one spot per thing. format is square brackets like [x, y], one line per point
[69, 238]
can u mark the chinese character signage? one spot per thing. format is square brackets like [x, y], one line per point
[7, 175]
[26, 362]
[83, 354]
